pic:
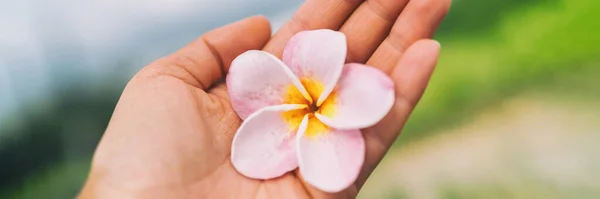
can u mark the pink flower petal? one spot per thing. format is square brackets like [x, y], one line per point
[364, 95]
[263, 147]
[331, 162]
[257, 79]
[318, 55]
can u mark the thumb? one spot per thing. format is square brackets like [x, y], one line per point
[207, 59]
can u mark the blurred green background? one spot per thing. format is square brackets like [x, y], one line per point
[512, 110]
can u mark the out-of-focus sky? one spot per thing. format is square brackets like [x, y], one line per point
[47, 43]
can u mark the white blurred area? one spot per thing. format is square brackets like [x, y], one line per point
[528, 147]
[47, 45]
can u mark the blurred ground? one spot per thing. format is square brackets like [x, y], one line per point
[529, 147]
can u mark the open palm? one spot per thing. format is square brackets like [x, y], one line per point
[170, 135]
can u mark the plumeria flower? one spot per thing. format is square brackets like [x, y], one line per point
[306, 111]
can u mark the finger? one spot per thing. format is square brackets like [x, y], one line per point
[410, 76]
[314, 14]
[205, 60]
[368, 26]
[418, 20]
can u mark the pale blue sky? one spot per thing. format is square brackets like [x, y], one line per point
[45, 44]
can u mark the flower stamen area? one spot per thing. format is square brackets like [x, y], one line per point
[294, 118]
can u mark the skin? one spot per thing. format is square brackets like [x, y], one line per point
[170, 134]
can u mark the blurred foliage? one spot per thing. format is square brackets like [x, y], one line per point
[53, 138]
[530, 48]
[470, 17]
[57, 181]
[491, 50]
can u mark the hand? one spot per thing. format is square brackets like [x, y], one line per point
[170, 134]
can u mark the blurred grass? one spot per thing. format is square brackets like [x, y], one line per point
[527, 188]
[491, 50]
[518, 184]
[531, 47]
[534, 145]
[60, 181]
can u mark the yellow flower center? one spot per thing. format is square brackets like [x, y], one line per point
[294, 118]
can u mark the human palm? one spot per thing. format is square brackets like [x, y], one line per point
[171, 132]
